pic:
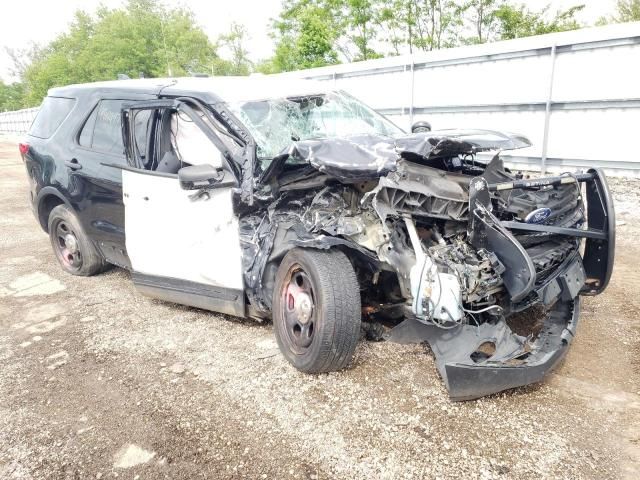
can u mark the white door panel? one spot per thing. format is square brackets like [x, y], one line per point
[170, 235]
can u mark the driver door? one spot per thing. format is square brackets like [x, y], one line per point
[184, 244]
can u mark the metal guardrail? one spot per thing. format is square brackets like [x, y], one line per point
[578, 54]
[413, 65]
[17, 122]
[519, 107]
[618, 107]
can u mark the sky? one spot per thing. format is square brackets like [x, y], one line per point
[24, 22]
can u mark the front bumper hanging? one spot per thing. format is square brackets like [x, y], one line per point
[514, 360]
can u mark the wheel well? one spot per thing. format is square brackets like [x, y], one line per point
[47, 204]
[270, 270]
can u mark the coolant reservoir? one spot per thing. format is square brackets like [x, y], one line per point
[435, 294]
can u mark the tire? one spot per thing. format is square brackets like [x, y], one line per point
[321, 337]
[74, 250]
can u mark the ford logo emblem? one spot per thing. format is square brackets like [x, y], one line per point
[539, 215]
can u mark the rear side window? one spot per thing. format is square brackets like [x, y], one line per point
[52, 113]
[103, 129]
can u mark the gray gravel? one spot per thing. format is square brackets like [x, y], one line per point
[97, 381]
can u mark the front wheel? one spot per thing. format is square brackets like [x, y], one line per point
[316, 309]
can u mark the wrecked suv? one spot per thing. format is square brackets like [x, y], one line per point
[266, 198]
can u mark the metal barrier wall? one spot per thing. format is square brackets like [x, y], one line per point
[576, 94]
[18, 121]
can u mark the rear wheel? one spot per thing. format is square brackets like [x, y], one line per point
[73, 249]
[316, 310]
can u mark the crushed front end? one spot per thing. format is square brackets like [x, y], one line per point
[520, 275]
[485, 266]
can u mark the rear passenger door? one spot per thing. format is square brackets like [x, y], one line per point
[98, 147]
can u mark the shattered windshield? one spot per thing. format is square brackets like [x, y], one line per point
[275, 123]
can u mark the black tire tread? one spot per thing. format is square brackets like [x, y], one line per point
[92, 261]
[338, 277]
[340, 294]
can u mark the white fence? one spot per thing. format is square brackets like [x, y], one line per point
[18, 121]
[576, 95]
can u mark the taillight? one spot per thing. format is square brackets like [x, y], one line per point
[24, 148]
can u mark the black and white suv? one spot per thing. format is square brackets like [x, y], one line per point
[287, 200]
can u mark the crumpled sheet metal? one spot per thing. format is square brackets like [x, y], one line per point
[481, 140]
[517, 361]
[355, 157]
[359, 157]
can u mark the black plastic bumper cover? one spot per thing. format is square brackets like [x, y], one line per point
[517, 361]
[467, 368]
[599, 253]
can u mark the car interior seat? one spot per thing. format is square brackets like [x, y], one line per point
[169, 158]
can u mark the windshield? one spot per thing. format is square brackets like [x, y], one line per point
[275, 123]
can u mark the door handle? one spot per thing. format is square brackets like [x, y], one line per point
[73, 164]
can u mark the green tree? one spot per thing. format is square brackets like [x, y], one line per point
[11, 96]
[626, 11]
[141, 39]
[438, 23]
[421, 24]
[518, 21]
[361, 29]
[233, 41]
[397, 24]
[481, 14]
[311, 33]
[306, 34]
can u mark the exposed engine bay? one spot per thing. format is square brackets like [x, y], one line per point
[425, 242]
[447, 249]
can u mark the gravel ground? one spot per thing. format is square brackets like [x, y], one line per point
[97, 381]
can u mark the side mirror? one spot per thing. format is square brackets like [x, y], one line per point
[421, 127]
[197, 177]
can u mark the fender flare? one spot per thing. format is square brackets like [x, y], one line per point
[43, 194]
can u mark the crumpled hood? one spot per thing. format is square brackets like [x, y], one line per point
[369, 156]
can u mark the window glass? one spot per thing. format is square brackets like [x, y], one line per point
[86, 135]
[107, 133]
[51, 115]
[276, 123]
[103, 129]
[142, 125]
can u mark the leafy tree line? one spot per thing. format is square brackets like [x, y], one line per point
[310, 33]
[143, 38]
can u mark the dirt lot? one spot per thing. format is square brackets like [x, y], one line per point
[97, 381]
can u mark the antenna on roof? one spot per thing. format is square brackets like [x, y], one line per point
[123, 76]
